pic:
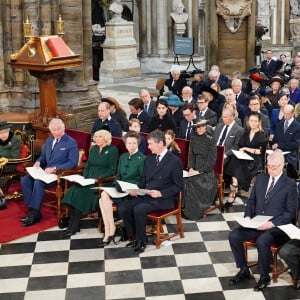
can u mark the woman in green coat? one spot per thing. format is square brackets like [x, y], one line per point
[102, 162]
[130, 169]
[10, 145]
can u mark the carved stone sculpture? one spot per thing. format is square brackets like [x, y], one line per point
[295, 22]
[233, 12]
[116, 8]
[180, 18]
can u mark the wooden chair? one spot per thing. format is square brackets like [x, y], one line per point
[158, 216]
[218, 169]
[15, 168]
[276, 271]
[58, 190]
[159, 85]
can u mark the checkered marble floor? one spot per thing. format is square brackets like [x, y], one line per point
[44, 266]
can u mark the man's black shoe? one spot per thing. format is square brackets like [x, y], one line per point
[140, 247]
[263, 282]
[131, 244]
[240, 276]
[31, 220]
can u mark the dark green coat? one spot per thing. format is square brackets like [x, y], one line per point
[130, 170]
[11, 147]
[103, 164]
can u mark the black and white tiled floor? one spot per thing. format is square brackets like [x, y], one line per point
[43, 266]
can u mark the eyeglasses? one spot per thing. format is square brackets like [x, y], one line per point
[187, 115]
[200, 102]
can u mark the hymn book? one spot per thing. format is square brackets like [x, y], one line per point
[79, 179]
[291, 230]
[254, 223]
[40, 174]
[128, 187]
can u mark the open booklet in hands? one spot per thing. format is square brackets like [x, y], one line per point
[79, 179]
[40, 174]
[255, 222]
[124, 188]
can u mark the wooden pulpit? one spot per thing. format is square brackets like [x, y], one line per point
[45, 57]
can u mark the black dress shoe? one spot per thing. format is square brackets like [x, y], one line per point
[263, 282]
[68, 231]
[102, 244]
[240, 276]
[68, 234]
[140, 247]
[31, 220]
[131, 244]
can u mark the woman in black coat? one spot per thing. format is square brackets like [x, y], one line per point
[162, 121]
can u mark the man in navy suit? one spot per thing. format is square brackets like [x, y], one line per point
[269, 66]
[185, 126]
[274, 195]
[106, 122]
[149, 104]
[176, 83]
[60, 152]
[162, 177]
[287, 138]
[136, 107]
[240, 96]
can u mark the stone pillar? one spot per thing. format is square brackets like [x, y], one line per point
[119, 53]
[45, 23]
[263, 14]
[162, 27]
[143, 21]
[87, 40]
[1, 47]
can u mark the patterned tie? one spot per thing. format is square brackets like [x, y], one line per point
[188, 130]
[285, 126]
[157, 159]
[222, 139]
[270, 189]
[55, 143]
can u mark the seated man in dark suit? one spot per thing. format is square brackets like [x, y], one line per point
[240, 96]
[136, 107]
[275, 195]
[206, 112]
[287, 138]
[106, 122]
[60, 152]
[176, 83]
[186, 124]
[149, 104]
[228, 133]
[162, 177]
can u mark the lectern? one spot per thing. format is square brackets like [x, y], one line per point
[45, 57]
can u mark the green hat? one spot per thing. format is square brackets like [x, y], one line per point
[4, 125]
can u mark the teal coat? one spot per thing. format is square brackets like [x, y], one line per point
[99, 164]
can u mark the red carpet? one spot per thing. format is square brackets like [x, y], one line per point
[11, 227]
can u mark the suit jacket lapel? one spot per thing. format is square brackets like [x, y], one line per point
[276, 188]
[161, 164]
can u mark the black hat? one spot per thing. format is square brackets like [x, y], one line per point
[281, 94]
[4, 125]
[210, 90]
[197, 71]
[199, 122]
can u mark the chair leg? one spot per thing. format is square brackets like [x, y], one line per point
[179, 225]
[275, 268]
[246, 253]
[158, 227]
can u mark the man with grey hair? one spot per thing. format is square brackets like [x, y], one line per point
[287, 138]
[149, 104]
[275, 195]
[240, 96]
[228, 133]
[176, 83]
[187, 95]
[60, 151]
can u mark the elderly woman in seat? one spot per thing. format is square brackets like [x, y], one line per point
[102, 163]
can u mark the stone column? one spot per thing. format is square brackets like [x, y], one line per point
[263, 14]
[143, 20]
[1, 47]
[162, 28]
[45, 21]
[87, 40]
